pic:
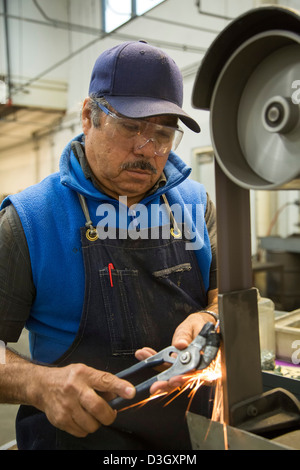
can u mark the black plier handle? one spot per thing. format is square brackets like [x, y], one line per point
[198, 355]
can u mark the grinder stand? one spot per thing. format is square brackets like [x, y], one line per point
[256, 420]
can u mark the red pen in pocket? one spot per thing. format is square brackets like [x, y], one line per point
[110, 267]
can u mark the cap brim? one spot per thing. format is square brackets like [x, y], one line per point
[142, 107]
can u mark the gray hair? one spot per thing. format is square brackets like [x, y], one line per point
[95, 110]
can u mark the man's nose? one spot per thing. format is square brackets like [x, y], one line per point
[146, 146]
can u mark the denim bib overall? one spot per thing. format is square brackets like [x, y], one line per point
[136, 293]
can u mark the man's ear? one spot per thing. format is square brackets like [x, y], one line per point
[86, 116]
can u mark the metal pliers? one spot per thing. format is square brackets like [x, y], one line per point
[197, 356]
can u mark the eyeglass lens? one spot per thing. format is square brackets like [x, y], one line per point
[163, 137]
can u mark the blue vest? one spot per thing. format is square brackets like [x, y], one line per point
[51, 216]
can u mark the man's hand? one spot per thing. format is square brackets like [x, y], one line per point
[187, 331]
[75, 398]
[184, 334]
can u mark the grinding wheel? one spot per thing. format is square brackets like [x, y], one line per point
[249, 80]
[268, 120]
[255, 125]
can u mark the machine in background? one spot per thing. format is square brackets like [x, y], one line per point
[246, 82]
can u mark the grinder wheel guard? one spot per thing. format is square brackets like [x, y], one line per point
[254, 98]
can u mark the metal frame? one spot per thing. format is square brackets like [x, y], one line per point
[241, 368]
[252, 417]
[245, 405]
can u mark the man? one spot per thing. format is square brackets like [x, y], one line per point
[95, 283]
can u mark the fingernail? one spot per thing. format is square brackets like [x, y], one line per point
[129, 392]
[182, 343]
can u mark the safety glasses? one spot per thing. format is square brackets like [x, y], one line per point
[164, 138]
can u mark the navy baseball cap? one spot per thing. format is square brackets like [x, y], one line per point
[139, 80]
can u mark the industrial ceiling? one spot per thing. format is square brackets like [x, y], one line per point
[185, 33]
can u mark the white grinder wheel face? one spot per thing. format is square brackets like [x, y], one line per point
[271, 148]
[254, 119]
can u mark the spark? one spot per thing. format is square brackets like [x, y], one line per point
[212, 375]
[193, 381]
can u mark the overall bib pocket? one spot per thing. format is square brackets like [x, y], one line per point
[126, 316]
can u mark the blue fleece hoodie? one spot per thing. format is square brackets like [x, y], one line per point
[52, 216]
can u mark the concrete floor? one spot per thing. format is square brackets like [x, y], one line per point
[8, 412]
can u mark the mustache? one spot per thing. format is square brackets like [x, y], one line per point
[139, 165]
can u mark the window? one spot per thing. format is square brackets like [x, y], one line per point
[117, 12]
[2, 94]
[144, 5]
